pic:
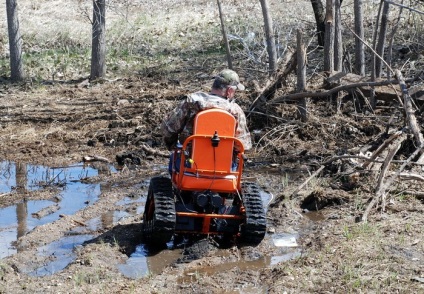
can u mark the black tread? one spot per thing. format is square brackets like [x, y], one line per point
[159, 226]
[253, 231]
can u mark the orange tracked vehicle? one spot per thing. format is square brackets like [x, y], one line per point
[205, 194]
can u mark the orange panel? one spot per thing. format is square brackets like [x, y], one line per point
[207, 123]
[209, 167]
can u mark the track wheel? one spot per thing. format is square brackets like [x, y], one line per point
[254, 229]
[159, 212]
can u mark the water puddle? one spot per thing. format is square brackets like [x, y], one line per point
[143, 263]
[59, 253]
[139, 199]
[107, 220]
[242, 265]
[284, 248]
[285, 240]
[73, 194]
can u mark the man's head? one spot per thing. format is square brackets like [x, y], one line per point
[228, 81]
[226, 78]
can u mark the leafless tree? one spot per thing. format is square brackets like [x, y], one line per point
[338, 42]
[359, 45]
[381, 39]
[392, 37]
[15, 41]
[301, 76]
[224, 36]
[98, 50]
[269, 34]
[319, 13]
[329, 37]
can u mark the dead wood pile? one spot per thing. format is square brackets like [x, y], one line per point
[392, 170]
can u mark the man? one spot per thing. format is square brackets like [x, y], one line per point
[179, 124]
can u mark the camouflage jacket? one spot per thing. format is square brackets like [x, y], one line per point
[179, 123]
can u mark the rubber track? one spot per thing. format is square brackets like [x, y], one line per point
[254, 229]
[160, 229]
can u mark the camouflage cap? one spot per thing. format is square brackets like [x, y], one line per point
[230, 78]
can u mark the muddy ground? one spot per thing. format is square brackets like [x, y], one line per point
[60, 124]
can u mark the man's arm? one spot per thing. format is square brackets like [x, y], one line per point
[174, 124]
[242, 132]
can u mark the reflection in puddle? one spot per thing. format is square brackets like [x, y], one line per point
[17, 220]
[140, 201]
[292, 254]
[142, 263]
[242, 265]
[60, 252]
[136, 266]
[287, 247]
[285, 240]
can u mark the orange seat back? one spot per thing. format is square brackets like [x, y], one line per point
[205, 156]
[211, 167]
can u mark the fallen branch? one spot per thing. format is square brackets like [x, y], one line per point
[289, 64]
[93, 158]
[411, 177]
[405, 7]
[79, 223]
[386, 164]
[388, 183]
[328, 161]
[409, 112]
[152, 151]
[383, 146]
[296, 96]
[307, 181]
[381, 189]
[323, 94]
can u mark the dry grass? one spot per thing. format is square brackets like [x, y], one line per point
[169, 35]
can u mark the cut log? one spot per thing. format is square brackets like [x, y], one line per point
[382, 92]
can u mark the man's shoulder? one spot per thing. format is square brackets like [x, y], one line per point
[198, 96]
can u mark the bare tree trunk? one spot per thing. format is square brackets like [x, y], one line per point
[329, 37]
[319, 13]
[338, 42]
[224, 35]
[301, 76]
[269, 34]
[98, 50]
[372, 98]
[390, 49]
[381, 39]
[359, 45]
[15, 41]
